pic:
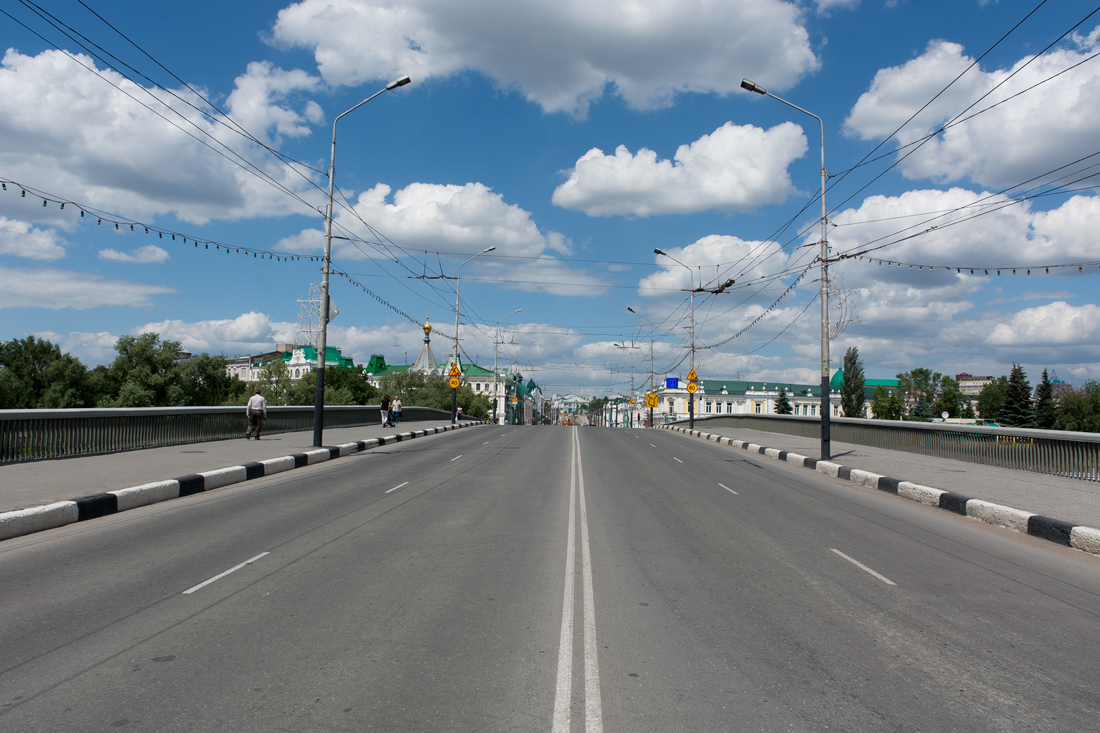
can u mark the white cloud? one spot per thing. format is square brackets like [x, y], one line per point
[55, 289]
[248, 333]
[1022, 137]
[256, 97]
[97, 144]
[457, 219]
[22, 240]
[560, 54]
[736, 258]
[824, 6]
[149, 254]
[735, 168]
[1057, 323]
[90, 348]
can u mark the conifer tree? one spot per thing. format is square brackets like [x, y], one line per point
[1045, 409]
[1018, 411]
[783, 403]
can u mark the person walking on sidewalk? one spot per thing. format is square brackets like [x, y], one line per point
[256, 411]
[385, 409]
[396, 407]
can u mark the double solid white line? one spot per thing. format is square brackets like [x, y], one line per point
[593, 709]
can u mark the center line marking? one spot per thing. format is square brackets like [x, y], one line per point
[861, 566]
[395, 488]
[219, 576]
[456, 458]
[652, 446]
[728, 489]
[677, 459]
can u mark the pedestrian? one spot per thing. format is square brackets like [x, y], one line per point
[460, 412]
[385, 410]
[256, 411]
[396, 408]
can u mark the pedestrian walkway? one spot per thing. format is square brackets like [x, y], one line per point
[1069, 501]
[37, 483]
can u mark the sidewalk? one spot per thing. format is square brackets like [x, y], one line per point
[37, 483]
[1005, 496]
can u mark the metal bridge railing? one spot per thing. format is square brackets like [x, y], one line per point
[1054, 452]
[36, 434]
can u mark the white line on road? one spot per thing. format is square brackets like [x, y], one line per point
[456, 458]
[727, 488]
[219, 576]
[861, 566]
[652, 446]
[593, 708]
[395, 488]
[677, 459]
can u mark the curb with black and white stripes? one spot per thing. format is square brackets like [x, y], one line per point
[1077, 536]
[39, 518]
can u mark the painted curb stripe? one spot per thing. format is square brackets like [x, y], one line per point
[20, 522]
[1078, 536]
[97, 505]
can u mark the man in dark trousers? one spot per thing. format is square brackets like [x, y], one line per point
[256, 410]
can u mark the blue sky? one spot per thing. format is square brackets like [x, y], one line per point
[574, 137]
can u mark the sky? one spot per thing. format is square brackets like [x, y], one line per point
[190, 144]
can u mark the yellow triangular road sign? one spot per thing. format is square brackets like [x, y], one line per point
[692, 376]
[454, 371]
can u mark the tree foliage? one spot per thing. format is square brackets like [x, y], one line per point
[992, 399]
[783, 403]
[926, 394]
[34, 374]
[1017, 411]
[852, 399]
[1046, 411]
[887, 404]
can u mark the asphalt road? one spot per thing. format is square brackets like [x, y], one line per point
[535, 579]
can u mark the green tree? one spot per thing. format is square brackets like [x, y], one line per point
[275, 384]
[1079, 409]
[204, 380]
[887, 404]
[852, 396]
[35, 374]
[992, 399]
[352, 382]
[1045, 410]
[950, 399]
[783, 403]
[146, 373]
[1018, 412]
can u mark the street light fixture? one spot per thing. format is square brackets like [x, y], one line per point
[458, 288]
[496, 342]
[691, 397]
[652, 376]
[326, 265]
[825, 403]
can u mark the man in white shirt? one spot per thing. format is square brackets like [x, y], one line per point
[256, 410]
[395, 410]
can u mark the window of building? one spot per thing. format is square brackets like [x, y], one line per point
[758, 407]
[729, 408]
[710, 407]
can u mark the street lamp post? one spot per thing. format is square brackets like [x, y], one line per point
[458, 288]
[691, 397]
[826, 407]
[326, 266]
[651, 376]
[496, 342]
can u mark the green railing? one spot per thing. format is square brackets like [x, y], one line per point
[35, 434]
[1054, 452]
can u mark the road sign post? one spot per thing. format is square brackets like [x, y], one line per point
[693, 387]
[453, 381]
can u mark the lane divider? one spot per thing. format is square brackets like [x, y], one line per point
[1078, 536]
[563, 695]
[50, 516]
[219, 576]
[863, 567]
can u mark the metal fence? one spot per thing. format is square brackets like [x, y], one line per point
[1055, 452]
[35, 434]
